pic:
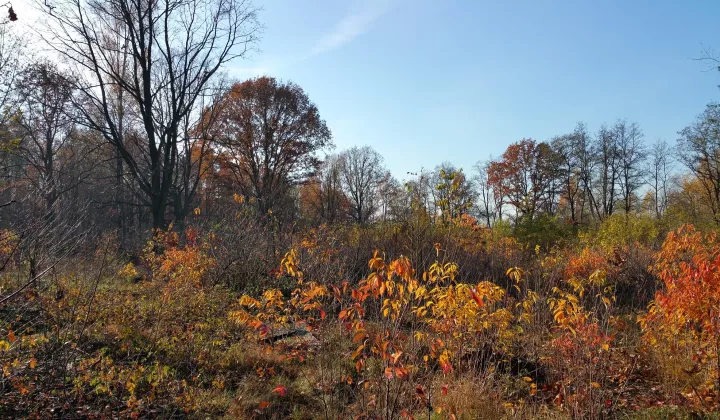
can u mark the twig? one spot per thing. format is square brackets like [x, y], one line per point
[32, 280]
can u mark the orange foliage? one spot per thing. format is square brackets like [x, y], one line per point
[685, 315]
[589, 262]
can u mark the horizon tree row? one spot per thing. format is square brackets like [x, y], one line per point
[133, 131]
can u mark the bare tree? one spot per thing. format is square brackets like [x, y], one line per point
[362, 173]
[659, 170]
[390, 194]
[419, 195]
[486, 207]
[322, 196]
[12, 47]
[711, 57]
[47, 122]
[172, 50]
[608, 172]
[631, 160]
[565, 147]
[195, 160]
[586, 163]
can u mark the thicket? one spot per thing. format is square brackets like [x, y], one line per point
[383, 321]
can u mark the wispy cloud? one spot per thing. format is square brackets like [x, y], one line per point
[359, 19]
[356, 23]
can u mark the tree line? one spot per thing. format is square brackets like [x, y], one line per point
[135, 126]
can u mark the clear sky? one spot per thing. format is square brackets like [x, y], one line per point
[429, 81]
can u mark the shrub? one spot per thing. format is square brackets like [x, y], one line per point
[682, 326]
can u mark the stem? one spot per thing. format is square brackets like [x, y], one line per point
[717, 357]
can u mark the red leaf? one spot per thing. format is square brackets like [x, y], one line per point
[263, 405]
[406, 415]
[336, 292]
[476, 298]
[264, 329]
[444, 389]
[446, 367]
[280, 390]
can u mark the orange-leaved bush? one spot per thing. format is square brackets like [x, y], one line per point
[684, 318]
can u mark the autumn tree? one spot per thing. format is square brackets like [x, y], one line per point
[698, 149]
[526, 178]
[687, 201]
[171, 50]
[362, 173]
[268, 134]
[454, 193]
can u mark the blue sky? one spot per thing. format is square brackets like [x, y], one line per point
[428, 81]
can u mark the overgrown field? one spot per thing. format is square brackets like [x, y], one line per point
[389, 321]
